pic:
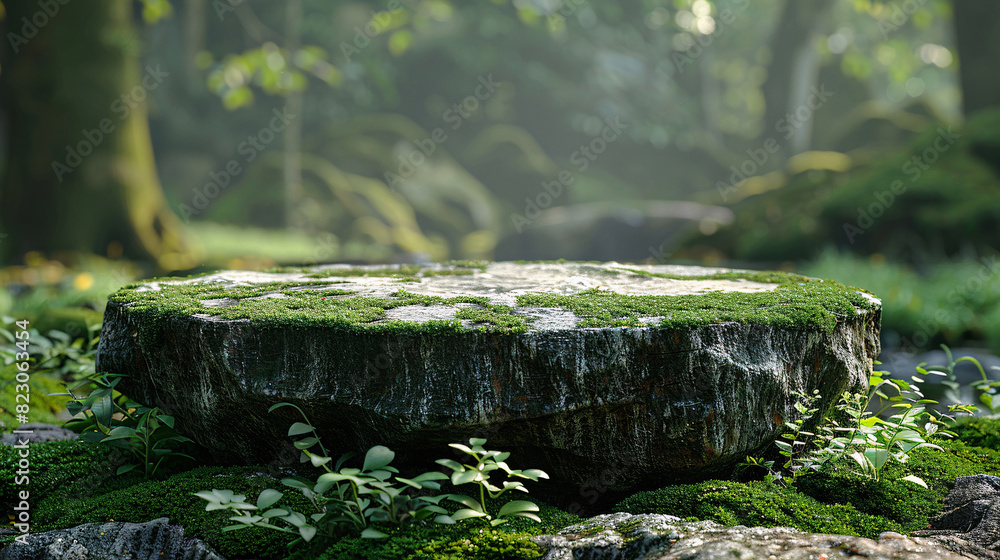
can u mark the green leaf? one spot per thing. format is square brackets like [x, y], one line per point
[915, 479]
[453, 465]
[370, 533]
[296, 483]
[299, 428]
[281, 404]
[306, 443]
[464, 477]
[535, 474]
[444, 520]
[276, 512]
[103, 409]
[267, 498]
[461, 447]
[465, 501]
[318, 460]
[125, 468]
[477, 441]
[466, 514]
[120, 432]
[307, 532]
[517, 506]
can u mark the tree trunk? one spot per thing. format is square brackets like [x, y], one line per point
[794, 66]
[977, 32]
[80, 173]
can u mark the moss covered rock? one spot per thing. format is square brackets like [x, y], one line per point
[623, 374]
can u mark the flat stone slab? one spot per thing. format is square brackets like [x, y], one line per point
[622, 374]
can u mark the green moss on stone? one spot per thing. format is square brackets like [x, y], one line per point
[797, 303]
[757, 504]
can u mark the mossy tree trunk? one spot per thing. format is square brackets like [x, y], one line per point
[80, 173]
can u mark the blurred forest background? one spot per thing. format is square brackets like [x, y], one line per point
[852, 139]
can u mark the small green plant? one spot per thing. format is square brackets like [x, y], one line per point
[867, 438]
[479, 474]
[348, 499]
[112, 419]
[989, 395]
[799, 458]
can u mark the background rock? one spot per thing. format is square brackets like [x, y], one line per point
[41, 432]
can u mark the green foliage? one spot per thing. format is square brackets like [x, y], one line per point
[757, 504]
[949, 302]
[147, 433]
[359, 498]
[50, 360]
[867, 438]
[988, 396]
[479, 474]
[944, 203]
[907, 504]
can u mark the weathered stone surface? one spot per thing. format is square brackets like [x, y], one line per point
[971, 513]
[611, 375]
[115, 540]
[39, 432]
[622, 536]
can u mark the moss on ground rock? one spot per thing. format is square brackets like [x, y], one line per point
[75, 485]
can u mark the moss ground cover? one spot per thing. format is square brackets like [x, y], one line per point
[76, 485]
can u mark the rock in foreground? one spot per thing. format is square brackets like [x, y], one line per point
[621, 536]
[605, 375]
[971, 513]
[155, 540]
